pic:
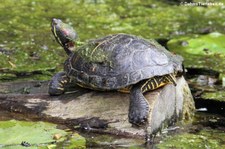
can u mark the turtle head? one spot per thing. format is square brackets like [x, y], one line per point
[64, 34]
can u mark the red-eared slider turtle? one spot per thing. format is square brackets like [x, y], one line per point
[115, 62]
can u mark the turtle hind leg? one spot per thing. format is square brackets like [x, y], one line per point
[57, 84]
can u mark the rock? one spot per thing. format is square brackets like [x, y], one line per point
[168, 104]
[28, 87]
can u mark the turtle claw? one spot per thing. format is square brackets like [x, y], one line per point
[138, 116]
[57, 84]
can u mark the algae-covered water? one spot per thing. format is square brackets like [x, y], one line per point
[28, 50]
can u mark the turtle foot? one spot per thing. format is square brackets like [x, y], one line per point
[57, 84]
[139, 110]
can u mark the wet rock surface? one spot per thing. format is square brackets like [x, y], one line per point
[168, 104]
[207, 89]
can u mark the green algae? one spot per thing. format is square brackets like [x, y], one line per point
[92, 53]
[202, 140]
[25, 27]
[201, 51]
[107, 141]
[74, 141]
[13, 132]
[217, 96]
[37, 134]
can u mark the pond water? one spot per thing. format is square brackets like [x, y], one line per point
[206, 131]
[28, 51]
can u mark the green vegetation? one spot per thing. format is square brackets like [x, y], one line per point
[27, 44]
[201, 51]
[202, 140]
[218, 95]
[37, 135]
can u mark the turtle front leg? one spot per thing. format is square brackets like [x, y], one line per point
[57, 84]
[139, 107]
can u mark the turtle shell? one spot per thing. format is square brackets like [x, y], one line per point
[120, 60]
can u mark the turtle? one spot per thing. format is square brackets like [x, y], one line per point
[121, 62]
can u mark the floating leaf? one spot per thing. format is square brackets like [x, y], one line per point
[205, 51]
[13, 133]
